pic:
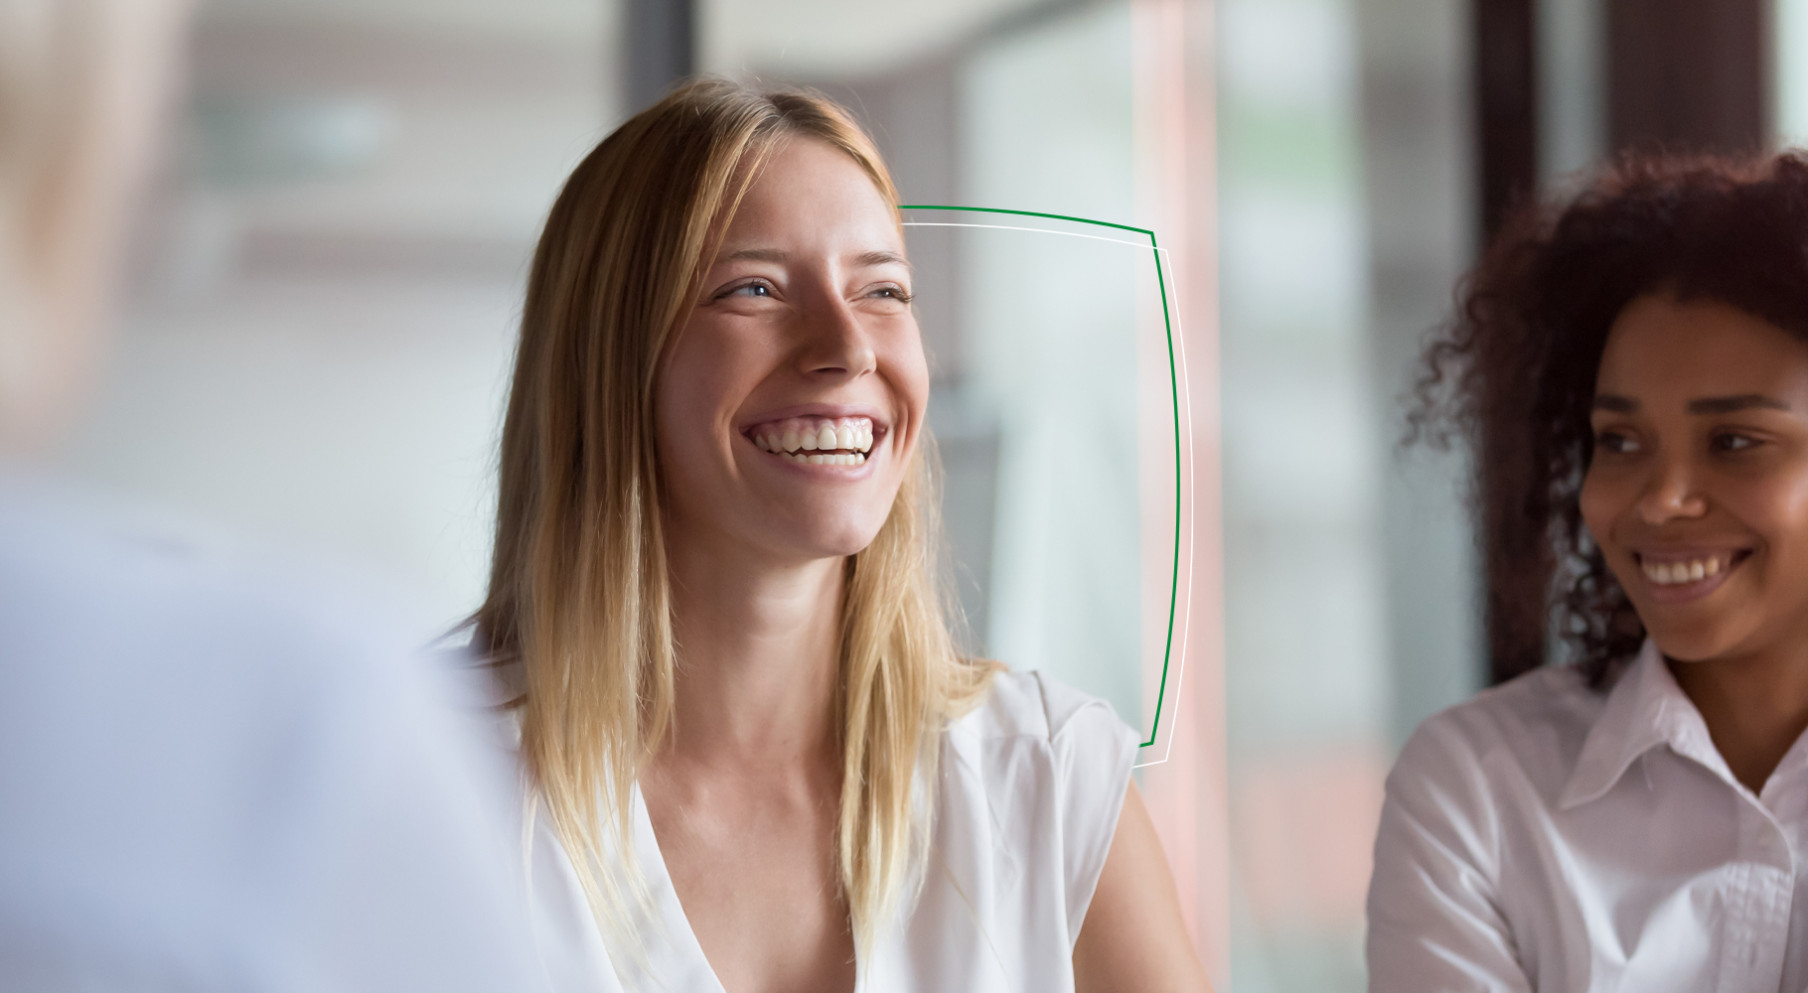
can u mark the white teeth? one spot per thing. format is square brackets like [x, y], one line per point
[1676, 573]
[836, 458]
[851, 435]
[850, 440]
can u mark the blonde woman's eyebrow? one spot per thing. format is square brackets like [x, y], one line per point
[778, 255]
[756, 255]
[869, 259]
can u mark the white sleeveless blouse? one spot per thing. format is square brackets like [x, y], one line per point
[1030, 786]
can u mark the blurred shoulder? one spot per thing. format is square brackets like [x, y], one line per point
[82, 574]
[131, 618]
[208, 747]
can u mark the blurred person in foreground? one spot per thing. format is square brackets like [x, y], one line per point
[211, 778]
[758, 762]
[1631, 368]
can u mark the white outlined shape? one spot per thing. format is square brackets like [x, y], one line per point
[1166, 274]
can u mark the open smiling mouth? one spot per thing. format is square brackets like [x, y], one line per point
[817, 440]
[1678, 573]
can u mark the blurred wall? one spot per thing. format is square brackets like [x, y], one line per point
[1789, 57]
[1049, 326]
[1306, 631]
[1572, 85]
[319, 338]
[1418, 185]
[1350, 595]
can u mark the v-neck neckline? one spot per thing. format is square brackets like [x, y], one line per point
[683, 938]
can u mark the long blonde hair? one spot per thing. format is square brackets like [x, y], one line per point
[579, 593]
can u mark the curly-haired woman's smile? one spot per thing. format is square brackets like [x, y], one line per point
[1697, 492]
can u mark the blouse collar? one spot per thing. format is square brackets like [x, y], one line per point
[1645, 709]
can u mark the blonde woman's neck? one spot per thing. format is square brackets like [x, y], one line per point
[758, 645]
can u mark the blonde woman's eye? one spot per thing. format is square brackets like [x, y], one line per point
[749, 290]
[897, 293]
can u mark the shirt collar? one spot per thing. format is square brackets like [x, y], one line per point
[1645, 709]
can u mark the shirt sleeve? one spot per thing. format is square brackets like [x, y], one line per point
[1093, 754]
[1435, 923]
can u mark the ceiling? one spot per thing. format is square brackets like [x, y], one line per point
[570, 22]
[835, 39]
[806, 38]
[422, 134]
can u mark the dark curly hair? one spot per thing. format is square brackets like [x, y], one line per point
[1513, 373]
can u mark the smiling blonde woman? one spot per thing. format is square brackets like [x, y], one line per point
[757, 761]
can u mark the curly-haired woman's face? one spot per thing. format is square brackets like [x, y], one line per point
[790, 403]
[1697, 492]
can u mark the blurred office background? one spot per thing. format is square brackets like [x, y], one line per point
[329, 275]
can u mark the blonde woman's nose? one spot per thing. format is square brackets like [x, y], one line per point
[838, 343]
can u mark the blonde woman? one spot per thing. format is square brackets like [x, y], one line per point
[757, 761]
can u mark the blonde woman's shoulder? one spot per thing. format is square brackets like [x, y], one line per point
[1036, 706]
[1032, 782]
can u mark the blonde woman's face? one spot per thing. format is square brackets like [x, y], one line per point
[789, 404]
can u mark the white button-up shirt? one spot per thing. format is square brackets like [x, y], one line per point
[1549, 836]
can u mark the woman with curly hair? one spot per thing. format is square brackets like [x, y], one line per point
[1631, 370]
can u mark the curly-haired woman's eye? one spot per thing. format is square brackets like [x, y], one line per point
[1615, 443]
[1727, 442]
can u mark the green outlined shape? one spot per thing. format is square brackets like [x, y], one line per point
[1167, 320]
